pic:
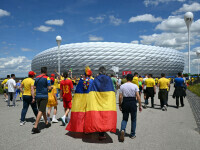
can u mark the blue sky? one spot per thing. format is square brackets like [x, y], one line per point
[28, 27]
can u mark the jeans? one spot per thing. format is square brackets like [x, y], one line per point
[16, 93]
[58, 92]
[11, 98]
[27, 100]
[129, 107]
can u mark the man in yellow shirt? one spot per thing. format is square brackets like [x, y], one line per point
[150, 90]
[27, 88]
[163, 84]
[5, 87]
[135, 79]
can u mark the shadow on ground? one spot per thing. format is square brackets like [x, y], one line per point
[90, 138]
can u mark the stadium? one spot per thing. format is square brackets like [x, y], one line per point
[143, 59]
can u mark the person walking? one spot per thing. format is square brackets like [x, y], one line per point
[127, 104]
[5, 88]
[52, 102]
[144, 91]
[66, 87]
[179, 91]
[42, 85]
[11, 89]
[114, 81]
[27, 88]
[163, 84]
[135, 79]
[150, 89]
[18, 90]
[140, 85]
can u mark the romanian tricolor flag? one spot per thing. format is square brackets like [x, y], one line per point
[77, 120]
[94, 111]
[101, 114]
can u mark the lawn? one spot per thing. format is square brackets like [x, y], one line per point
[195, 89]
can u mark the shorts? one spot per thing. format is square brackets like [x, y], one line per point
[67, 104]
[5, 91]
[42, 103]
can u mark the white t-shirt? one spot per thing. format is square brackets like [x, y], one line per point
[144, 84]
[129, 89]
[11, 85]
[119, 81]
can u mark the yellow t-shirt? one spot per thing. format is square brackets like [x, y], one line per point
[163, 83]
[27, 83]
[56, 83]
[4, 83]
[150, 82]
[61, 78]
[156, 80]
[51, 98]
[135, 81]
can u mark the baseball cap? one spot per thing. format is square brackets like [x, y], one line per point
[52, 75]
[32, 73]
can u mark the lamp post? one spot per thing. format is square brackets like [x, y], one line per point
[188, 17]
[198, 54]
[58, 40]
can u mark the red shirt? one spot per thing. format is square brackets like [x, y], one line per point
[66, 86]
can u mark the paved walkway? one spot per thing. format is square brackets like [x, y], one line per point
[175, 129]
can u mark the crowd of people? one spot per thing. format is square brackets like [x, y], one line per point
[93, 108]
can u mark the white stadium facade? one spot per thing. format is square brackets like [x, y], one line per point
[143, 59]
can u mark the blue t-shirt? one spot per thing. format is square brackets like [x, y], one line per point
[42, 82]
[179, 82]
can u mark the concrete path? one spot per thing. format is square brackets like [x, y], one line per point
[174, 129]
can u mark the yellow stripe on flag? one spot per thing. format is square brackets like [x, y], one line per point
[101, 101]
[79, 102]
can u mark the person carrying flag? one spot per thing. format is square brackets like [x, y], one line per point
[77, 121]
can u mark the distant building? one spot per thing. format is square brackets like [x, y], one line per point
[143, 59]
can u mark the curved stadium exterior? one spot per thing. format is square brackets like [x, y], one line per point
[139, 58]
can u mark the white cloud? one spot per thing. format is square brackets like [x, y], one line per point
[58, 22]
[115, 21]
[197, 49]
[145, 17]
[177, 24]
[174, 40]
[44, 28]
[18, 65]
[135, 42]
[188, 7]
[4, 13]
[192, 53]
[26, 49]
[193, 62]
[156, 2]
[98, 19]
[95, 38]
[173, 23]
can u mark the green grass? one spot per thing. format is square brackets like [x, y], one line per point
[195, 89]
[1, 90]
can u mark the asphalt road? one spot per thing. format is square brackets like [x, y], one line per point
[174, 129]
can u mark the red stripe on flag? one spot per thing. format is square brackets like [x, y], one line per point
[76, 123]
[100, 121]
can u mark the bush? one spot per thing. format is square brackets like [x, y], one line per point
[195, 89]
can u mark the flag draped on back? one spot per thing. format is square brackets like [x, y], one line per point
[77, 120]
[101, 114]
[94, 109]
